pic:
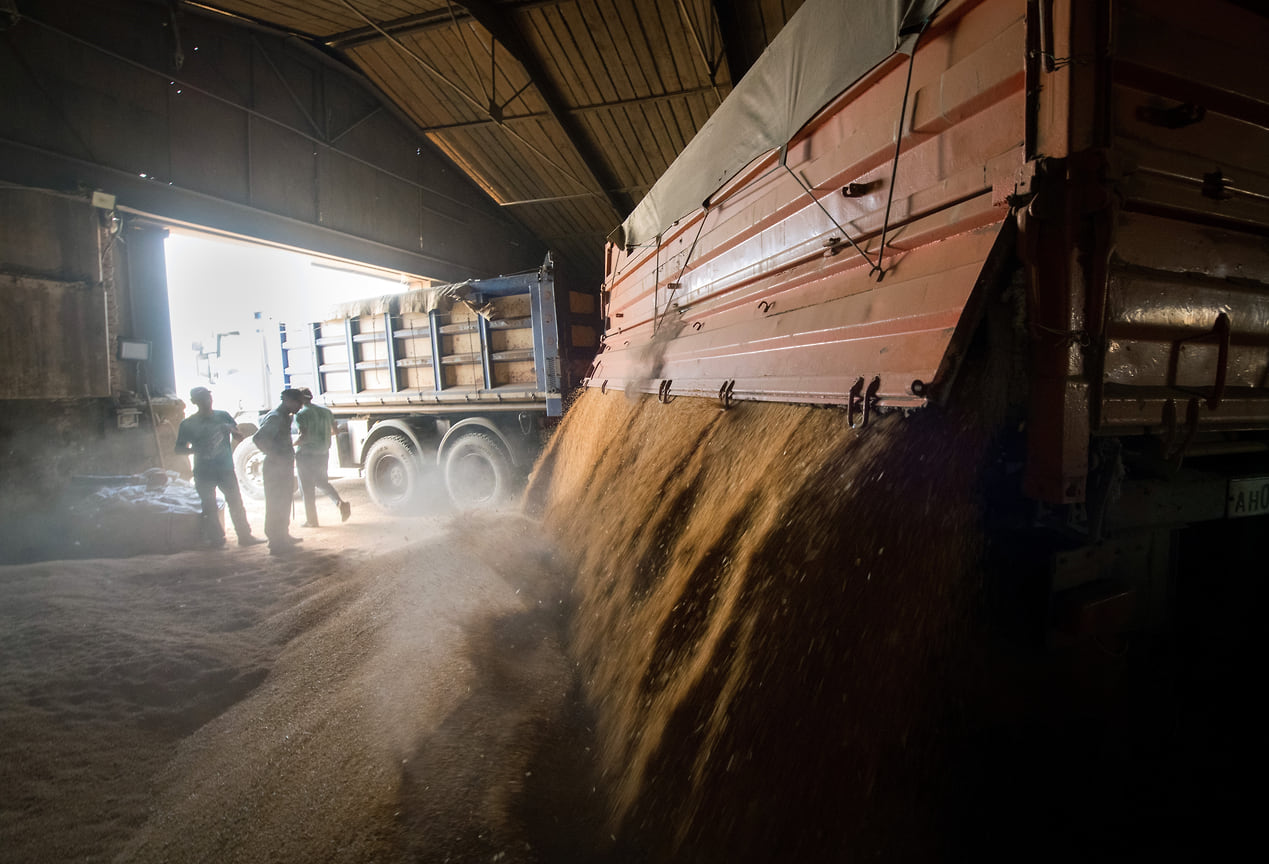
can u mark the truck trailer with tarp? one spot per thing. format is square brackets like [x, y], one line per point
[895, 183]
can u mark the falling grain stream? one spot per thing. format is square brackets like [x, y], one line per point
[769, 605]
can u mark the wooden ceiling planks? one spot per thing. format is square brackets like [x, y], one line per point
[605, 52]
[408, 85]
[315, 18]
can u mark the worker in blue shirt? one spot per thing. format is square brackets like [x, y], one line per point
[209, 437]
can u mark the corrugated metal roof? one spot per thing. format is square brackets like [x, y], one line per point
[565, 111]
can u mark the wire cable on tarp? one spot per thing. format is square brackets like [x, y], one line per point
[679, 279]
[898, 143]
[807, 189]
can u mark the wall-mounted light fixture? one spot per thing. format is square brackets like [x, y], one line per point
[134, 349]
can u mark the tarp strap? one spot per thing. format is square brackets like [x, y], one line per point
[784, 152]
[679, 279]
[898, 141]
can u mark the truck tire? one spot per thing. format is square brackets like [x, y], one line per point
[249, 466]
[477, 472]
[393, 473]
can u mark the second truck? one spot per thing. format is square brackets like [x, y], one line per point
[447, 390]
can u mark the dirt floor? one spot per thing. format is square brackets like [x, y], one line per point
[394, 691]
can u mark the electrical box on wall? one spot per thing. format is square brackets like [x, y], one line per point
[128, 418]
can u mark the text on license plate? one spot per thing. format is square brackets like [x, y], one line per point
[1248, 496]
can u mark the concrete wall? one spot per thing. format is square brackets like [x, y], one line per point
[70, 286]
[52, 332]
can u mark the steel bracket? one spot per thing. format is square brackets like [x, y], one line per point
[1220, 333]
[724, 394]
[862, 401]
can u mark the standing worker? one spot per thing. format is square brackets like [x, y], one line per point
[210, 435]
[278, 472]
[312, 454]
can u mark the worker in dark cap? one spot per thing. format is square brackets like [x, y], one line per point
[278, 472]
[209, 437]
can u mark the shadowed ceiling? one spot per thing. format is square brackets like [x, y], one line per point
[564, 111]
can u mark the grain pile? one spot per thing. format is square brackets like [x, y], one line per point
[768, 607]
[405, 701]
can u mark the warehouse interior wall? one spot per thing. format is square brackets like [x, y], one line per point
[248, 133]
[108, 140]
[74, 281]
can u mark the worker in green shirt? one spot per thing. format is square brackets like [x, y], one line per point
[209, 437]
[312, 455]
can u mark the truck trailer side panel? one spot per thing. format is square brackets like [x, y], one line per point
[1112, 151]
[779, 288]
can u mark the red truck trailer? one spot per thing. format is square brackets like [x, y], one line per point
[1091, 177]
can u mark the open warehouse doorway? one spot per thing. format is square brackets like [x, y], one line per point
[226, 299]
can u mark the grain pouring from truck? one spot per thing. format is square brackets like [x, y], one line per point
[1093, 175]
[943, 296]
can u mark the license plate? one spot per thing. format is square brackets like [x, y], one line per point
[1248, 496]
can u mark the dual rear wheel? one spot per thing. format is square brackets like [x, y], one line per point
[476, 469]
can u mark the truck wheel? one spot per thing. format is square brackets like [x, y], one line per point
[249, 466]
[393, 473]
[477, 472]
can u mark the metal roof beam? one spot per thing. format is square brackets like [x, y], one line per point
[578, 109]
[729, 28]
[495, 20]
[433, 20]
[711, 64]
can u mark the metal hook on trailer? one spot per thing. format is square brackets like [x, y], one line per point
[1220, 334]
[855, 397]
[724, 393]
[870, 397]
[863, 401]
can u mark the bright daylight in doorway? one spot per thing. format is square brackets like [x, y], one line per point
[227, 298]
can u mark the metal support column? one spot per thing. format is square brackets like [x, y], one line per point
[319, 381]
[390, 342]
[147, 286]
[486, 362]
[434, 329]
[354, 378]
[286, 357]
